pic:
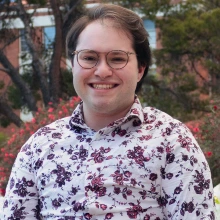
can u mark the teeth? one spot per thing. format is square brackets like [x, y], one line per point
[103, 86]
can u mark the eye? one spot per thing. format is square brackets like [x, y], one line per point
[88, 56]
[117, 59]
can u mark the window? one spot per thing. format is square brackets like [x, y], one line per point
[150, 27]
[49, 36]
[25, 58]
[23, 44]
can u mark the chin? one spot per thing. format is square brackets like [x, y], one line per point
[101, 106]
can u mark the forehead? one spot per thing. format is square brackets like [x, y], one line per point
[104, 33]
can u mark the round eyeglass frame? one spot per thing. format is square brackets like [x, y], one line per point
[76, 52]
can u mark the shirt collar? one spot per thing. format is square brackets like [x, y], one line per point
[136, 110]
[77, 121]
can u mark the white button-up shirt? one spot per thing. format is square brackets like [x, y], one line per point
[146, 165]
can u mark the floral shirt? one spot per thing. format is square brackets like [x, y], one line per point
[146, 165]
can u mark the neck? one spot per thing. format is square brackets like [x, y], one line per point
[98, 120]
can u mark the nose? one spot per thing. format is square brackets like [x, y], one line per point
[102, 69]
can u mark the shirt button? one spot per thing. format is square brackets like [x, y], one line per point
[90, 193]
[92, 162]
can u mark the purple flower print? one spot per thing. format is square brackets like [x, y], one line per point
[162, 201]
[38, 164]
[133, 182]
[103, 206]
[132, 214]
[78, 206]
[201, 183]
[134, 210]
[50, 156]
[184, 157]
[136, 123]
[177, 190]
[83, 153]
[12, 183]
[127, 173]
[187, 207]
[56, 135]
[137, 155]
[117, 190]
[101, 191]
[170, 157]
[153, 176]
[56, 203]
[108, 216]
[21, 187]
[118, 177]
[121, 133]
[74, 190]
[62, 175]
[169, 176]
[146, 217]
[97, 181]
[129, 192]
[18, 213]
[87, 216]
[160, 149]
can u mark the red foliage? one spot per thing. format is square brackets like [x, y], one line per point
[207, 133]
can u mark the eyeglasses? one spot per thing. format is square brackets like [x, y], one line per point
[116, 59]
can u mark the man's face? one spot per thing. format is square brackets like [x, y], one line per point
[105, 90]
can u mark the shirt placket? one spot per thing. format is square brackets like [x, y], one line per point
[91, 172]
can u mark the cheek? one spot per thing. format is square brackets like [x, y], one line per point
[76, 78]
[75, 74]
[77, 86]
[76, 69]
[80, 76]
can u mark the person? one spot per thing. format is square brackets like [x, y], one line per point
[111, 159]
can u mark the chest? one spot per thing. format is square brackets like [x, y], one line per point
[126, 159]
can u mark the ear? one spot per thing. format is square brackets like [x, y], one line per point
[141, 70]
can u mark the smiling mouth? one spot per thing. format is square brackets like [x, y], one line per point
[103, 86]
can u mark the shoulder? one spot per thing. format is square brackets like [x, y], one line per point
[49, 133]
[154, 115]
[59, 125]
[165, 126]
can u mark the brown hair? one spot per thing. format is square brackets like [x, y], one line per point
[126, 19]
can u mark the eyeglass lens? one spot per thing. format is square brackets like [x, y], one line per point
[115, 59]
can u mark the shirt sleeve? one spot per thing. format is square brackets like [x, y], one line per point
[187, 190]
[21, 199]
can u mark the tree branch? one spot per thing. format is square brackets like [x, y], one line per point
[197, 72]
[4, 70]
[54, 71]
[37, 63]
[18, 81]
[7, 111]
[73, 7]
